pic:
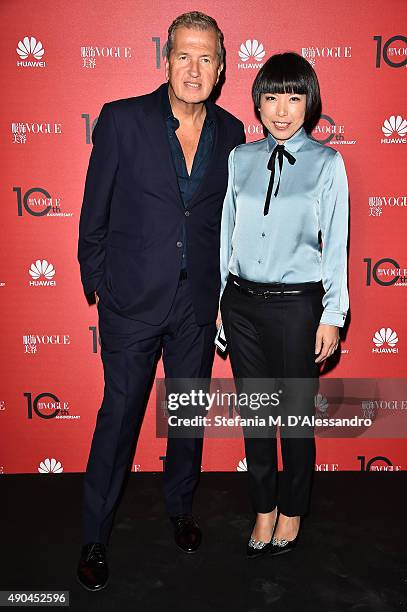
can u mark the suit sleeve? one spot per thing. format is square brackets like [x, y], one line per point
[334, 232]
[241, 136]
[227, 224]
[94, 220]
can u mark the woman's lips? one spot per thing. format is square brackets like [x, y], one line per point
[281, 125]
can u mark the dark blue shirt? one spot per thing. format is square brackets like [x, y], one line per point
[189, 183]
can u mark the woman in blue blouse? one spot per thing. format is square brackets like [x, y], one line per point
[284, 278]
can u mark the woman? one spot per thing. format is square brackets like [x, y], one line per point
[284, 294]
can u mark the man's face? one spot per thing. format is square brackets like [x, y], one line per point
[193, 68]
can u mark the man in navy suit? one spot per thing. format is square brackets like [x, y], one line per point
[149, 251]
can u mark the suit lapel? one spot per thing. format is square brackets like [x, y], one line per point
[156, 130]
[218, 147]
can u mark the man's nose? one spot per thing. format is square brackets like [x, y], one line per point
[194, 67]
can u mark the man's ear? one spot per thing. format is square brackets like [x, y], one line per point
[167, 68]
[220, 68]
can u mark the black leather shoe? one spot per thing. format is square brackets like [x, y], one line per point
[280, 546]
[187, 534]
[93, 572]
[257, 548]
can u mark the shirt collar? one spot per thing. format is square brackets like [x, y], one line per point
[169, 116]
[292, 145]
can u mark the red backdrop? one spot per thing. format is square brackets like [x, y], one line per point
[61, 61]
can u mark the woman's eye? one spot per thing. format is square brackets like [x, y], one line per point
[295, 98]
[270, 98]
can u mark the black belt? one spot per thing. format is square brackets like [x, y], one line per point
[261, 290]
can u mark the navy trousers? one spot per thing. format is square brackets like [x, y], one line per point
[130, 350]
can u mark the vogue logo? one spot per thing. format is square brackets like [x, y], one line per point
[385, 272]
[394, 126]
[41, 269]
[48, 406]
[375, 464]
[20, 130]
[31, 342]
[38, 202]
[328, 132]
[385, 336]
[313, 53]
[251, 49]
[393, 51]
[50, 466]
[378, 203]
[90, 54]
[30, 47]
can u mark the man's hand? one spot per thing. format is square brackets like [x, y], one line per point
[326, 341]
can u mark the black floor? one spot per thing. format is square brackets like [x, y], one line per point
[352, 553]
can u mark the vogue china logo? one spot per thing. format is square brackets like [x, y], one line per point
[20, 130]
[38, 202]
[29, 48]
[42, 274]
[31, 342]
[254, 50]
[328, 132]
[395, 130]
[50, 466]
[90, 54]
[393, 51]
[313, 53]
[48, 406]
[385, 340]
[378, 203]
[385, 272]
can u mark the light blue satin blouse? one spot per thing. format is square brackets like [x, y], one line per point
[283, 246]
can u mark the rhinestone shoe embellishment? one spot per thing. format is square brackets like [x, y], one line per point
[279, 542]
[257, 544]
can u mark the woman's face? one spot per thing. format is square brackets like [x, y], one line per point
[282, 114]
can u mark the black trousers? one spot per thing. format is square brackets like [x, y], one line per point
[274, 337]
[130, 350]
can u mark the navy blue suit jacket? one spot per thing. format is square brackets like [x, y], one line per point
[132, 213]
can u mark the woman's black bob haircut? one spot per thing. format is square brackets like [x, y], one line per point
[290, 73]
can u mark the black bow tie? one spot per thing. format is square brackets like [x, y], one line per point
[281, 152]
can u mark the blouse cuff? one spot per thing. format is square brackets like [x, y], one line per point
[330, 317]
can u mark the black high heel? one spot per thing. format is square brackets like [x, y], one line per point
[279, 546]
[258, 548]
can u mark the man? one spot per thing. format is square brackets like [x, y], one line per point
[149, 250]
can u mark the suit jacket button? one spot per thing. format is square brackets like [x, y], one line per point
[179, 244]
[187, 213]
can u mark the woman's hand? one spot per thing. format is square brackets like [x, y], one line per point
[326, 341]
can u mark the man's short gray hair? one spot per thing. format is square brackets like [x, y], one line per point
[196, 21]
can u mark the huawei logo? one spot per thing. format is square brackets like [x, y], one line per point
[42, 268]
[50, 466]
[242, 465]
[251, 48]
[385, 335]
[30, 46]
[395, 124]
